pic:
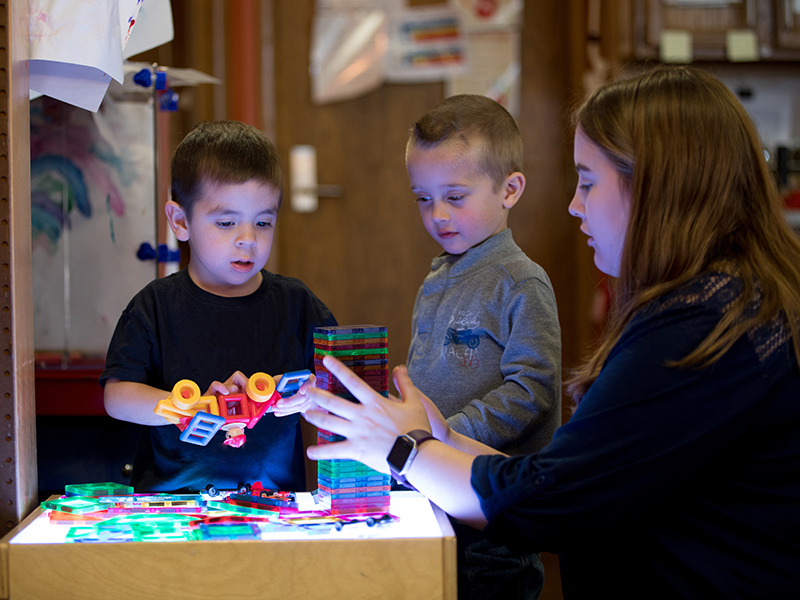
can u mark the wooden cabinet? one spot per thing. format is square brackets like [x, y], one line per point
[773, 24]
[787, 26]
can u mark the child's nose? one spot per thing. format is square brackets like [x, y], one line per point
[246, 238]
[440, 212]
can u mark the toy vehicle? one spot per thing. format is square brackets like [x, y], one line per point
[370, 521]
[200, 417]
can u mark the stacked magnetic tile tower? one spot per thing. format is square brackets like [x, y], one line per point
[348, 486]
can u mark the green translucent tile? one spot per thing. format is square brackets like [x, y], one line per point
[91, 535]
[235, 508]
[159, 534]
[76, 505]
[97, 489]
[161, 520]
[357, 352]
[350, 336]
[242, 531]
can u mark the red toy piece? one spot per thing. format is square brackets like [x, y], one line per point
[240, 411]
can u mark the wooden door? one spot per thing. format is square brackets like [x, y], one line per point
[366, 253]
[787, 26]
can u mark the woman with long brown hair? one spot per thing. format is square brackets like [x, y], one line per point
[677, 475]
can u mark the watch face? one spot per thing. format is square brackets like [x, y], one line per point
[400, 452]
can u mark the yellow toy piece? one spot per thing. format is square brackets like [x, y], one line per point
[208, 404]
[237, 410]
[185, 394]
[260, 387]
[170, 412]
[186, 401]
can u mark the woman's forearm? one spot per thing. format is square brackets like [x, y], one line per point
[468, 445]
[443, 474]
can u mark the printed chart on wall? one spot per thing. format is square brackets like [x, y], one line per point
[492, 36]
[92, 205]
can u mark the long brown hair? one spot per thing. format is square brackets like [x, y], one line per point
[701, 197]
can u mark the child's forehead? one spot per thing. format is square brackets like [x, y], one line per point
[251, 194]
[457, 153]
[451, 162]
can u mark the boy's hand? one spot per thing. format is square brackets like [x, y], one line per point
[234, 384]
[299, 402]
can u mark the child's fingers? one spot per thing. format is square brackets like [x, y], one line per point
[308, 384]
[240, 380]
[217, 388]
[289, 406]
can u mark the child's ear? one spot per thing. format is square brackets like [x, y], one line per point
[176, 217]
[513, 187]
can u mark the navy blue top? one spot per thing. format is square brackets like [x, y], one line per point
[668, 482]
[174, 330]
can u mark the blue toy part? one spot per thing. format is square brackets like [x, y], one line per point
[161, 80]
[163, 255]
[168, 100]
[143, 78]
[291, 382]
[202, 428]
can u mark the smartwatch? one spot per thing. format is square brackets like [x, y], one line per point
[403, 452]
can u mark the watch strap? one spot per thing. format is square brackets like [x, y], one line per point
[420, 436]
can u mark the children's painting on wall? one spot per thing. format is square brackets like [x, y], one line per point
[92, 205]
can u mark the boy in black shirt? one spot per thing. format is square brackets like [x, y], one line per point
[218, 321]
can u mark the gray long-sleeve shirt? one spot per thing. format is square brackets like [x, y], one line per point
[486, 345]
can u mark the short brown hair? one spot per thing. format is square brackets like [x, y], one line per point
[480, 124]
[223, 152]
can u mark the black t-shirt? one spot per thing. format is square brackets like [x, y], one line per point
[174, 330]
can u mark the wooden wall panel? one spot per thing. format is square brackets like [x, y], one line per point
[366, 252]
[552, 60]
[18, 472]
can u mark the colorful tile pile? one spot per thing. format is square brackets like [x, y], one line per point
[348, 486]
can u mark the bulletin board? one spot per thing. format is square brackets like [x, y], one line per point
[92, 205]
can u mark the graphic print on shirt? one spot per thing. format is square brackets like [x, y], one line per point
[462, 339]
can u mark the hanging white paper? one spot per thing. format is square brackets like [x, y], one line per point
[494, 69]
[490, 14]
[153, 27]
[76, 48]
[348, 51]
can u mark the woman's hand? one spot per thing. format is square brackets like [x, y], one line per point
[370, 427]
[440, 428]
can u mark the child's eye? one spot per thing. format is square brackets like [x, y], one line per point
[264, 224]
[585, 186]
[224, 223]
[455, 198]
[423, 199]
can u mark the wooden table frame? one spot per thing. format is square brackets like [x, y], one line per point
[325, 569]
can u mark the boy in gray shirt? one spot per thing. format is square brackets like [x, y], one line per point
[486, 342]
